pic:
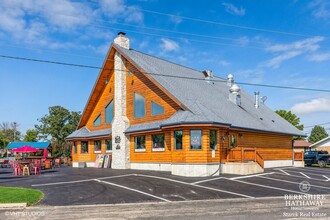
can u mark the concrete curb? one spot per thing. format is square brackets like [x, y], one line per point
[12, 205]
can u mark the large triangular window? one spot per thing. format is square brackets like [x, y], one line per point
[97, 121]
[109, 113]
[156, 109]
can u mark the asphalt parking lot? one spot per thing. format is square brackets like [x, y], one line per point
[73, 186]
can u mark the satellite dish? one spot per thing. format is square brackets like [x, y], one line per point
[263, 99]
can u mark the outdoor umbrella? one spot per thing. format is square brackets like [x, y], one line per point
[25, 149]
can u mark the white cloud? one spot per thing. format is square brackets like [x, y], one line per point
[285, 52]
[320, 9]
[224, 63]
[169, 45]
[232, 9]
[319, 57]
[176, 19]
[312, 106]
[118, 9]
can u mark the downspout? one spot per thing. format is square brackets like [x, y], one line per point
[292, 145]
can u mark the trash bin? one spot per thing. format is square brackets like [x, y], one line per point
[47, 164]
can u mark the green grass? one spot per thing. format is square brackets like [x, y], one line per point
[316, 165]
[20, 195]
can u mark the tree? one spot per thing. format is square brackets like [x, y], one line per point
[57, 125]
[293, 119]
[31, 135]
[8, 133]
[318, 133]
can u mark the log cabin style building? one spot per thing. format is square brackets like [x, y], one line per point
[152, 114]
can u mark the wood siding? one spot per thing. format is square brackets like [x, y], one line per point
[269, 146]
[90, 156]
[105, 98]
[139, 83]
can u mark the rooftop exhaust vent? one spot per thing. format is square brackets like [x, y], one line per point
[208, 75]
[230, 80]
[234, 94]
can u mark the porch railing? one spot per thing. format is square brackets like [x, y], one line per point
[242, 154]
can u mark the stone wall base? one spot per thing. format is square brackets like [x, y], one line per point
[241, 168]
[277, 163]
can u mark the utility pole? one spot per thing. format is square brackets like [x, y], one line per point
[15, 131]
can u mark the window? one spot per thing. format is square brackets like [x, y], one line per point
[233, 143]
[196, 139]
[156, 109]
[140, 143]
[158, 142]
[108, 145]
[139, 106]
[97, 146]
[213, 139]
[178, 140]
[74, 147]
[97, 121]
[84, 147]
[109, 113]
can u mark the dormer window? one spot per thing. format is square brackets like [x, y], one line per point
[156, 109]
[139, 106]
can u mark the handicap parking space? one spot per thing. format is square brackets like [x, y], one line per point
[69, 186]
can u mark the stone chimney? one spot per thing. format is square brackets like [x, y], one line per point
[230, 80]
[121, 40]
[234, 94]
[120, 142]
[208, 75]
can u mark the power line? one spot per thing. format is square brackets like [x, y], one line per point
[311, 126]
[226, 24]
[181, 77]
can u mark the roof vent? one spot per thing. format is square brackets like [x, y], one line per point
[208, 75]
[121, 40]
[234, 95]
[230, 80]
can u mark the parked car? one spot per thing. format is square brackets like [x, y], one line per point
[322, 158]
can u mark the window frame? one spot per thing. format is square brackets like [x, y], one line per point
[106, 146]
[152, 103]
[74, 145]
[81, 147]
[113, 112]
[201, 139]
[135, 144]
[216, 139]
[175, 143]
[157, 149]
[97, 151]
[144, 106]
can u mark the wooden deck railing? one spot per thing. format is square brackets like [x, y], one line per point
[259, 159]
[299, 156]
[241, 154]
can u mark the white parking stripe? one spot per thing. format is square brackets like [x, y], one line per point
[208, 180]
[270, 187]
[254, 175]
[284, 172]
[134, 190]
[313, 170]
[190, 184]
[328, 179]
[304, 175]
[287, 181]
[81, 181]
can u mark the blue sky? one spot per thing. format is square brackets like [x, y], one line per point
[278, 42]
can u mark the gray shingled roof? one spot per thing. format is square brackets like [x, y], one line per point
[85, 133]
[207, 102]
